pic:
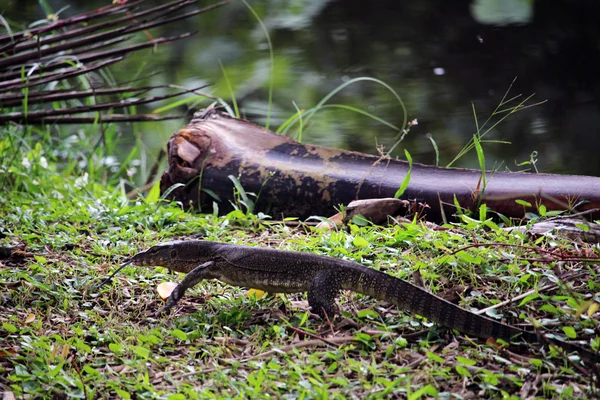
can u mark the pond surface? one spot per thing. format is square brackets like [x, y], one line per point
[446, 59]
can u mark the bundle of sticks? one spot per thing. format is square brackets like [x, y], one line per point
[32, 61]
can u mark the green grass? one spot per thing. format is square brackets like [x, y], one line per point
[63, 203]
[221, 342]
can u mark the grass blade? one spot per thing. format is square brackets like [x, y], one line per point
[230, 89]
[271, 60]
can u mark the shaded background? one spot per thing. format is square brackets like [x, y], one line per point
[440, 56]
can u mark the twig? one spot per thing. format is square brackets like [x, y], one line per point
[519, 297]
[560, 257]
[202, 371]
[312, 335]
[290, 223]
[579, 214]
[16, 84]
[226, 340]
[38, 115]
[329, 323]
[472, 245]
[105, 118]
[298, 345]
[154, 170]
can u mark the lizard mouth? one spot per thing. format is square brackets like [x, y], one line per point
[141, 258]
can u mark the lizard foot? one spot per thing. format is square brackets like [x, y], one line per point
[174, 298]
[164, 310]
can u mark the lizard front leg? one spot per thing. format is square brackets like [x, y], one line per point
[200, 273]
[322, 292]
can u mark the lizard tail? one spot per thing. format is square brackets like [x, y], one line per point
[417, 300]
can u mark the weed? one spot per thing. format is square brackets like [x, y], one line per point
[231, 92]
[499, 110]
[271, 61]
[307, 115]
[406, 179]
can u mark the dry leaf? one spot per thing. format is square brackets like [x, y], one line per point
[8, 396]
[8, 352]
[30, 318]
[333, 222]
[593, 308]
[588, 306]
[165, 289]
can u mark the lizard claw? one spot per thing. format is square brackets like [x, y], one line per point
[164, 310]
[171, 303]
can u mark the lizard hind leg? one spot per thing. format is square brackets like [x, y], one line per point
[322, 292]
[200, 273]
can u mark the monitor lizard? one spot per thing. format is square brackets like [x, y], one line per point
[280, 271]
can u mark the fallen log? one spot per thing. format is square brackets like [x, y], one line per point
[293, 179]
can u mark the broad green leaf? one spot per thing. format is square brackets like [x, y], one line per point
[523, 203]
[141, 351]
[462, 370]
[570, 332]
[435, 357]
[406, 179]
[122, 394]
[482, 212]
[466, 361]
[426, 391]
[115, 348]
[10, 328]
[527, 299]
[360, 242]
[179, 334]
[370, 314]
[154, 193]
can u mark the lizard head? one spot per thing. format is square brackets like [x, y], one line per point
[177, 255]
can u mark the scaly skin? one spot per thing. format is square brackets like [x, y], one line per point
[279, 271]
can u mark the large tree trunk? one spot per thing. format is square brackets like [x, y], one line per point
[301, 180]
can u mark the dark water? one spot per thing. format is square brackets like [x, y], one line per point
[441, 57]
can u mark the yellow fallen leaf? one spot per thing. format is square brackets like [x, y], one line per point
[65, 351]
[30, 318]
[583, 307]
[165, 289]
[593, 308]
[259, 294]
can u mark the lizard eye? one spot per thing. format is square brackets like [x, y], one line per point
[173, 253]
